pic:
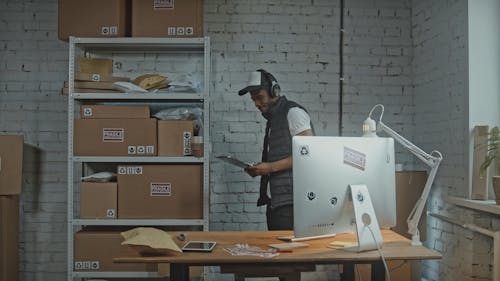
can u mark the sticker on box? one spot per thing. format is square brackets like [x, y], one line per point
[122, 170]
[171, 31]
[189, 30]
[181, 30]
[150, 149]
[87, 111]
[161, 189]
[92, 265]
[163, 4]
[113, 134]
[113, 30]
[110, 213]
[186, 140]
[141, 149]
[104, 30]
[354, 158]
[131, 149]
[96, 77]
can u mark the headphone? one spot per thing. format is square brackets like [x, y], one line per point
[274, 88]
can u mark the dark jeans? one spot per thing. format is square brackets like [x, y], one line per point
[280, 218]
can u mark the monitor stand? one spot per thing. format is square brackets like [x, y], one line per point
[365, 220]
[298, 239]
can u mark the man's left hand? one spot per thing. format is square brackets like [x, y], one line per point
[259, 169]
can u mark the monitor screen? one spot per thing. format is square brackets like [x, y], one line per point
[323, 169]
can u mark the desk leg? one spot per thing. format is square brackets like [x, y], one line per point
[348, 272]
[179, 272]
[378, 271]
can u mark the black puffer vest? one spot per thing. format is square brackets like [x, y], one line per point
[279, 147]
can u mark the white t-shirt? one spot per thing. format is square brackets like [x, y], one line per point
[298, 120]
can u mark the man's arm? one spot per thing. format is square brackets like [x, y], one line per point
[265, 168]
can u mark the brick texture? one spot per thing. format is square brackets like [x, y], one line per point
[410, 56]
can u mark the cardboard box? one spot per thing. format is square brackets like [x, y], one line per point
[95, 249]
[9, 238]
[160, 191]
[98, 200]
[93, 18]
[11, 164]
[409, 187]
[400, 270]
[174, 137]
[100, 66]
[113, 112]
[115, 137]
[167, 18]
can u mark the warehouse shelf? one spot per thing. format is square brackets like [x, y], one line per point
[107, 47]
[191, 96]
[115, 274]
[139, 222]
[138, 44]
[138, 159]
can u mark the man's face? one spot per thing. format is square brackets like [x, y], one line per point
[261, 99]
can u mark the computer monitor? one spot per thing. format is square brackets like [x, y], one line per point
[323, 169]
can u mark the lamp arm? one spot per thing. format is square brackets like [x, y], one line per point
[432, 160]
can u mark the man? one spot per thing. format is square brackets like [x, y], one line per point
[285, 119]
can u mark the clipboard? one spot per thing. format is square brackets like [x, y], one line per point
[234, 161]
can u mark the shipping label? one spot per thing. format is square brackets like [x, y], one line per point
[163, 4]
[113, 134]
[354, 158]
[161, 189]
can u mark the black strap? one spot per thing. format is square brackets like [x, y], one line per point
[264, 179]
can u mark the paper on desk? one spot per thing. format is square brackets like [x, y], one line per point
[341, 244]
[149, 240]
[247, 250]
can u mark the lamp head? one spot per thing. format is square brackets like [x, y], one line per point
[369, 128]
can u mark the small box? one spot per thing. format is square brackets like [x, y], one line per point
[115, 137]
[11, 164]
[113, 112]
[167, 18]
[174, 137]
[93, 18]
[409, 187]
[95, 249]
[101, 66]
[160, 191]
[98, 200]
[9, 237]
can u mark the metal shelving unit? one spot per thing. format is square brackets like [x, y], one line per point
[135, 45]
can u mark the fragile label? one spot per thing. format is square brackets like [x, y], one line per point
[163, 4]
[161, 189]
[354, 158]
[113, 134]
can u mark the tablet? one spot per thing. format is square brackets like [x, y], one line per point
[199, 246]
[231, 160]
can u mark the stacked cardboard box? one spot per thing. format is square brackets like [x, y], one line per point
[115, 18]
[167, 18]
[160, 191]
[11, 164]
[93, 18]
[94, 75]
[115, 135]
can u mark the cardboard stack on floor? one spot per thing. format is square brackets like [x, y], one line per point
[11, 169]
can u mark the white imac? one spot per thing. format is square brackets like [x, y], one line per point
[324, 168]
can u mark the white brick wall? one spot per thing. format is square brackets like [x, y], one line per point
[408, 55]
[440, 71]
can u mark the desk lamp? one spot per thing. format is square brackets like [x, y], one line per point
[370, 128]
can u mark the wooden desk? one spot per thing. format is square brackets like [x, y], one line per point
[396, 247]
